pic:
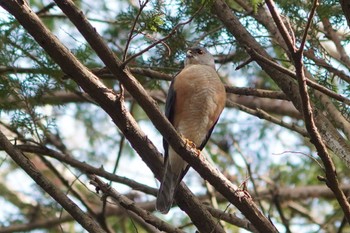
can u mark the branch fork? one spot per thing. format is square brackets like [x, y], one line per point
[307, 111]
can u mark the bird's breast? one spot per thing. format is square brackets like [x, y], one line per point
[200, 98]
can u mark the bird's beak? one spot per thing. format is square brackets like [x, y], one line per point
[189, 53]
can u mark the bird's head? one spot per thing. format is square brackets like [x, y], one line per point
[199, 56]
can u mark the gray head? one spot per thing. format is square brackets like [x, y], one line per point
[199, 56]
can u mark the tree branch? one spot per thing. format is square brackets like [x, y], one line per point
[345, 5]
[263, 115]
[87, 222]
[38, 224]
[130, 206]
[280, 25]
[128, 41]
[172, 32]
[297, 55]
[330, 33]
[337, 119]
[86, 168]
[256, 92]
[309, 82]
[231, 218]
[322, 63]
[111, 103]
[333, 138]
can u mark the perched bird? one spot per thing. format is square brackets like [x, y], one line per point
[195, 101]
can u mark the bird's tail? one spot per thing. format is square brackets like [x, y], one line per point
[167, 190]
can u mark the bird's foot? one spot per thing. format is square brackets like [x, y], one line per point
[192, 145]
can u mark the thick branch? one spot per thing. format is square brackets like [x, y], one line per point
[345, 5]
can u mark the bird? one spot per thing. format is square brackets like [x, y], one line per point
[195, 100]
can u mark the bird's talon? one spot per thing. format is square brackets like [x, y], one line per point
[198, 152]
[192, 145]
[189, 143]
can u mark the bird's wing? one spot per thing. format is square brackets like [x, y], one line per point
[169, 113]
[204, 142]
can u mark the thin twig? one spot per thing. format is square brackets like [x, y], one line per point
[142, 6]
[154, 39]
[45, 8]
[246, 62]
[232, 219]
[250, 176]
[172, 32]
[86, 168]
[322, 63]
[65, 182]
[225, 58]
[309, 82]
[304, 212]
[50, 166]
[44, 223]
[121, 146]
[301, 153]
[206, 34]
[281, 213]
[263, 115]
[308, 24]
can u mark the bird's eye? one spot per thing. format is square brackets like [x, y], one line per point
[200, 51]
